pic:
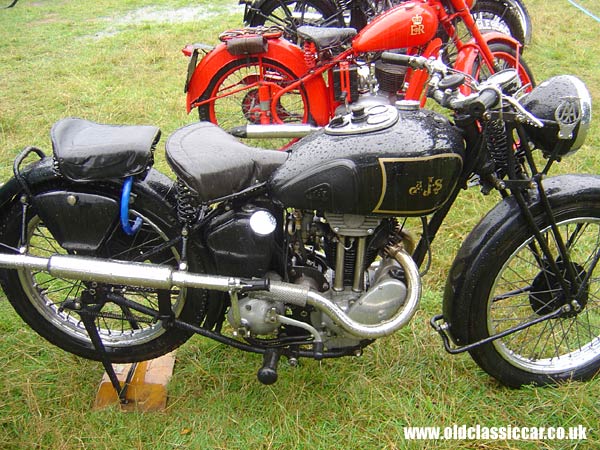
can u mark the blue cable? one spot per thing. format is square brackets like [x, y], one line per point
[581, 8]
[127, 227]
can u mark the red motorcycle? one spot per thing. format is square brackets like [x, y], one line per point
[255, 83]
[507, 16]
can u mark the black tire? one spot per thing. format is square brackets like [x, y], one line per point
[128, 337]
[505, 57]
[243, 107]
[515, 285]
[290, 14]
[496, 15]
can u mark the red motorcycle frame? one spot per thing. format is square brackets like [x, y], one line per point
[284, 68]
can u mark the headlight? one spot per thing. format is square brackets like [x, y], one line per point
[564, 105]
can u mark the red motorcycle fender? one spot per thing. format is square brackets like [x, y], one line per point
[280, 50]
[465, 273]
[467, 55]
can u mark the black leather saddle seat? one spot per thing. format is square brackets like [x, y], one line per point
[88, 151]
[213, 164]
[325, 37]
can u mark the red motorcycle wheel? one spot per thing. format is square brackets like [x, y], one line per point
[505, 57]
[494, 15]
[238, 87]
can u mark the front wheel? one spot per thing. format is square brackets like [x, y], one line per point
[517, 285]
[497, 15]
[505, 57]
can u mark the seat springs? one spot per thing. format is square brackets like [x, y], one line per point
[56, 167]
[342, 4]
[187, 204]
[310, 54]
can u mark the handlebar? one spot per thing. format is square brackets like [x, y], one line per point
[487, 99]
[416, 62]
[475, 104]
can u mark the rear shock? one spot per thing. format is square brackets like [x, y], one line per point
[310, 54]
[187, 204]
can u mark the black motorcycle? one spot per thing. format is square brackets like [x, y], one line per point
[506, 16]
[306, 253]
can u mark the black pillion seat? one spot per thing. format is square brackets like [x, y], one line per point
[214, 164]
[87, 151]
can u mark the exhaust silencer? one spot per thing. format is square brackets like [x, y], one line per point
[118, 272]
[284, 130]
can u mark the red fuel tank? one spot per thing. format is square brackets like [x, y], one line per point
[410, 24]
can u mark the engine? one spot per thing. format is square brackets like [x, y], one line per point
[344, 258]
[368, 85]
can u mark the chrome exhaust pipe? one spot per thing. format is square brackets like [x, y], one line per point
[8, 261]
[162, 277]
[118, 272]
[284, 130]
[301, 296]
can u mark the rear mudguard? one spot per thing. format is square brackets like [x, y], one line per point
[465, 271]
[466, 58]
[48, 190]
[284, 52]
[36, 174]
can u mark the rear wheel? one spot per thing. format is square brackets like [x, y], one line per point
[239, 91]
[518, 285]
[45, 302]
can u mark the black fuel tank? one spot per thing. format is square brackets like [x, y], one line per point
[385, 160]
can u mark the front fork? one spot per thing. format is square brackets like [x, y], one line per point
[571, 284]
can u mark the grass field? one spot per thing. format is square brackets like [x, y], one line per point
[120, 62]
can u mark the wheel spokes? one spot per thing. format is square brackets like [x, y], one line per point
[527, 288]
[55, 298]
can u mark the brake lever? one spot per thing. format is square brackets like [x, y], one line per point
[530, 118]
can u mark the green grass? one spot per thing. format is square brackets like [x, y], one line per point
[61, 58]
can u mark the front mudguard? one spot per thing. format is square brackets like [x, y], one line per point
[465, 60]
[279, 50]
[466, 268]
[83, 225]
